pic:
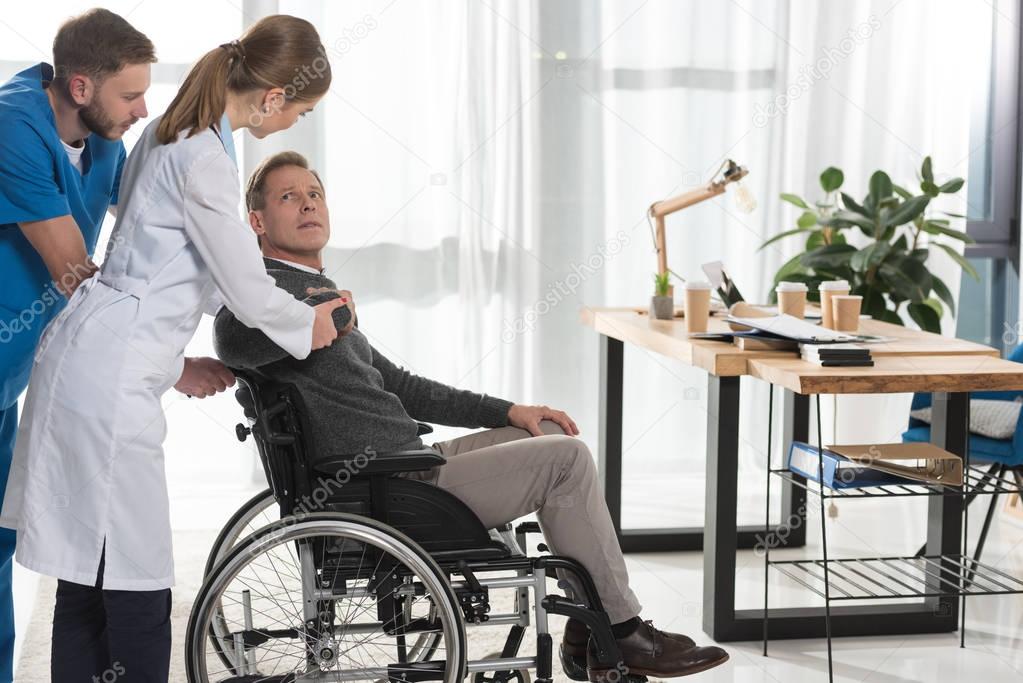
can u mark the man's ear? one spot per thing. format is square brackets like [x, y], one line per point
[256, 223]
[81, 89]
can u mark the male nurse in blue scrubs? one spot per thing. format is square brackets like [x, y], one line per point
[60, 167]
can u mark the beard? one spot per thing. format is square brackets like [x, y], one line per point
[99, 122]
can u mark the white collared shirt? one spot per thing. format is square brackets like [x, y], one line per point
[300, 266]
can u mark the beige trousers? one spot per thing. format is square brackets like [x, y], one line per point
[503, 474]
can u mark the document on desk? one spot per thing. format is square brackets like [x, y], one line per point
[790, 327]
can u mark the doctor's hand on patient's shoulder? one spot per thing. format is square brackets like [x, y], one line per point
[324, 329]
[529, 418]
[346, 297]
[204, 377]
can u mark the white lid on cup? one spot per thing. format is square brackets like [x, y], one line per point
[698, 284]
[791, 287]
[834, 285]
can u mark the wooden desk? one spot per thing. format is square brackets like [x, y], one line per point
[669, 338]
[892, 375]
[914, 361]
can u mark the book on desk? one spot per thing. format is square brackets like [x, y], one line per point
[839, 471]
[815, 344]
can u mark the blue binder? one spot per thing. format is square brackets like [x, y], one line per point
[839, 471]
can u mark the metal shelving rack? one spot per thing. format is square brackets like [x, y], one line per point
[883, 578]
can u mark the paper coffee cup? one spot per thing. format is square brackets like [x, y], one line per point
[827, 290]
[791, 298]
[845, 311]
[697, 306]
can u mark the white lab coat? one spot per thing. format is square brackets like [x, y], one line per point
[88, 463]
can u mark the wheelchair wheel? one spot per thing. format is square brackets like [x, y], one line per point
[328, 596]
[255, 513]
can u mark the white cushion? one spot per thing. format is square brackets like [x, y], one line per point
[993, 419]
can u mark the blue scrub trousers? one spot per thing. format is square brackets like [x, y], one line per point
[8, 430]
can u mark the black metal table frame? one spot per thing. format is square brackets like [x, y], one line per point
[720, 537]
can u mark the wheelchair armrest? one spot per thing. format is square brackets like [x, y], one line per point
[382, 463]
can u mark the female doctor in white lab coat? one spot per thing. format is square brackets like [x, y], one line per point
[87, 491]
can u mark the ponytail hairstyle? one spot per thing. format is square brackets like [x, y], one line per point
[278, 51]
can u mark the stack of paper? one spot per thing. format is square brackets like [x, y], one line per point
[836, 355]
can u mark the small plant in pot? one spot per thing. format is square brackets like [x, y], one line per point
[662, 303]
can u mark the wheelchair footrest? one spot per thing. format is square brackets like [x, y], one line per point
[605, 646]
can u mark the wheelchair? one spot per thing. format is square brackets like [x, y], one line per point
[344, 570]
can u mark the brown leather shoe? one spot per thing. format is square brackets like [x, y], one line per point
[650, 652]
[577, 636]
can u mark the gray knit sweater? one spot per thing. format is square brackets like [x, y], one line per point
[356, 398]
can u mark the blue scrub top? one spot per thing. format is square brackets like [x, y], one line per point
[37, 182]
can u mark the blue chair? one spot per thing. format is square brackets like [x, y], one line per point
[1002, 458]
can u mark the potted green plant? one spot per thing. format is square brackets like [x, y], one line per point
[662, 304]
[889, 268]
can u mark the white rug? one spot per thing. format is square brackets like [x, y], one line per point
[190, 550]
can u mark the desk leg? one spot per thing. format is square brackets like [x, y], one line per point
[612, 357]
[721, 537]
[796, 427]
[950, 429]
[609, 458]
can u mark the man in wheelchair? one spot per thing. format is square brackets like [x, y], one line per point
[362, 402]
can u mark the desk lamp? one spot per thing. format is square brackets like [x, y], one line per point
[744, 201]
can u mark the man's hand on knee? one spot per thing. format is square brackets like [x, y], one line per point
[530, 417]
